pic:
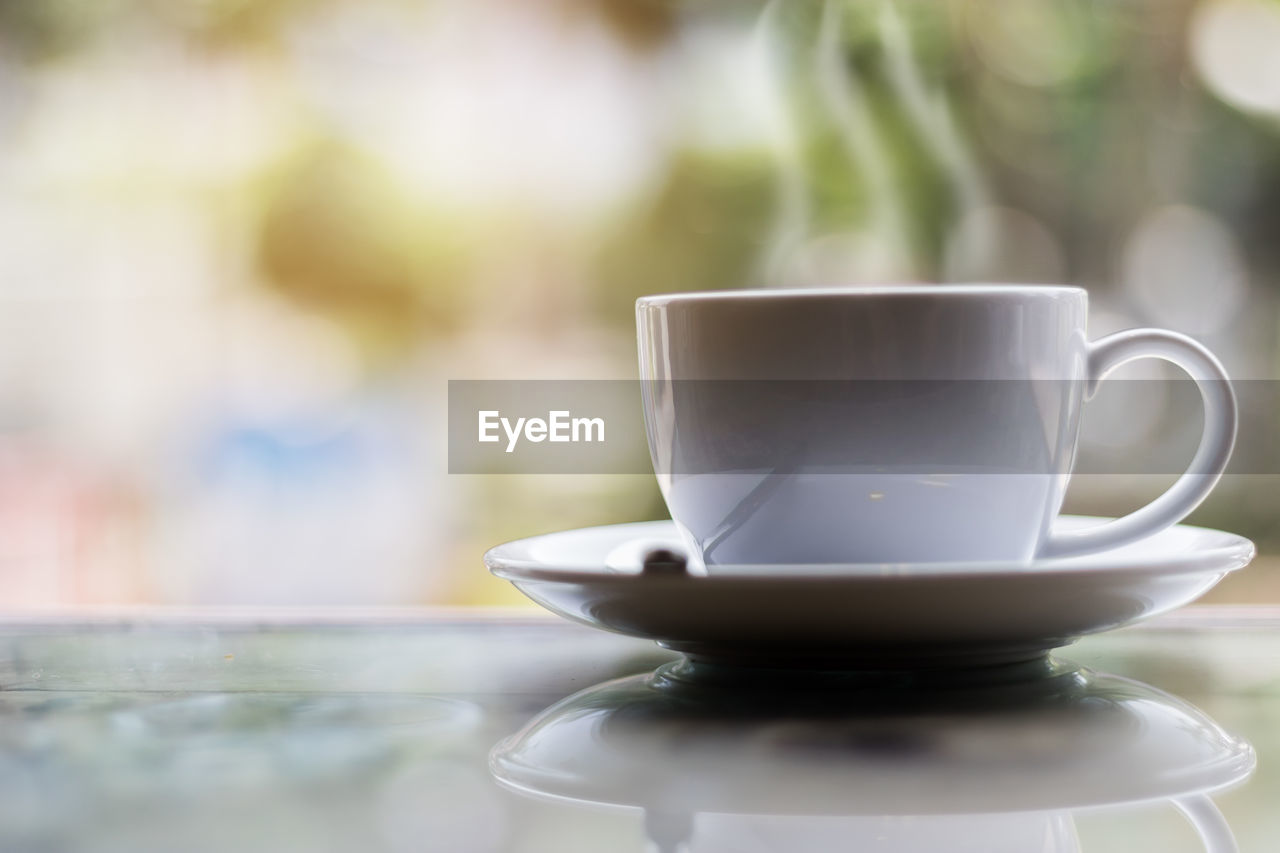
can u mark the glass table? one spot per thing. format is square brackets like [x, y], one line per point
[501, 731]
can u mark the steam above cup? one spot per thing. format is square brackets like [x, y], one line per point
[893, 424]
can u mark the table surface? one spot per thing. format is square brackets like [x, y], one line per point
[372, 731]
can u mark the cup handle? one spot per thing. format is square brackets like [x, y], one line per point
[1210, 460]
[1210, 825]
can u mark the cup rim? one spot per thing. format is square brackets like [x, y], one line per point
[924, 290]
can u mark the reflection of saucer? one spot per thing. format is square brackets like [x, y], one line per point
[1081, 739]
[874, 615]
[1068, 740]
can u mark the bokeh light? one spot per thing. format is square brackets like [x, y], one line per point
[1234, 47]
[244, 246]
[1185, 270]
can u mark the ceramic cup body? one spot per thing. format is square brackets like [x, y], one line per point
[882, 425]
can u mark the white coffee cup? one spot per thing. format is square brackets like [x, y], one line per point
[893, 424]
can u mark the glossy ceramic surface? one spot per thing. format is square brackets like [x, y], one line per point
[907, 424]
[866, 614]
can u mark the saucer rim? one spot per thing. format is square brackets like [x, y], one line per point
[1232, 553]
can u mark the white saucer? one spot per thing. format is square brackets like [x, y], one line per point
[861, 614]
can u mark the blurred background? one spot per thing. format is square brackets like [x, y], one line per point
[244, 245]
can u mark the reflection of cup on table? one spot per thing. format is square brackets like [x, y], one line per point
[893, 424]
